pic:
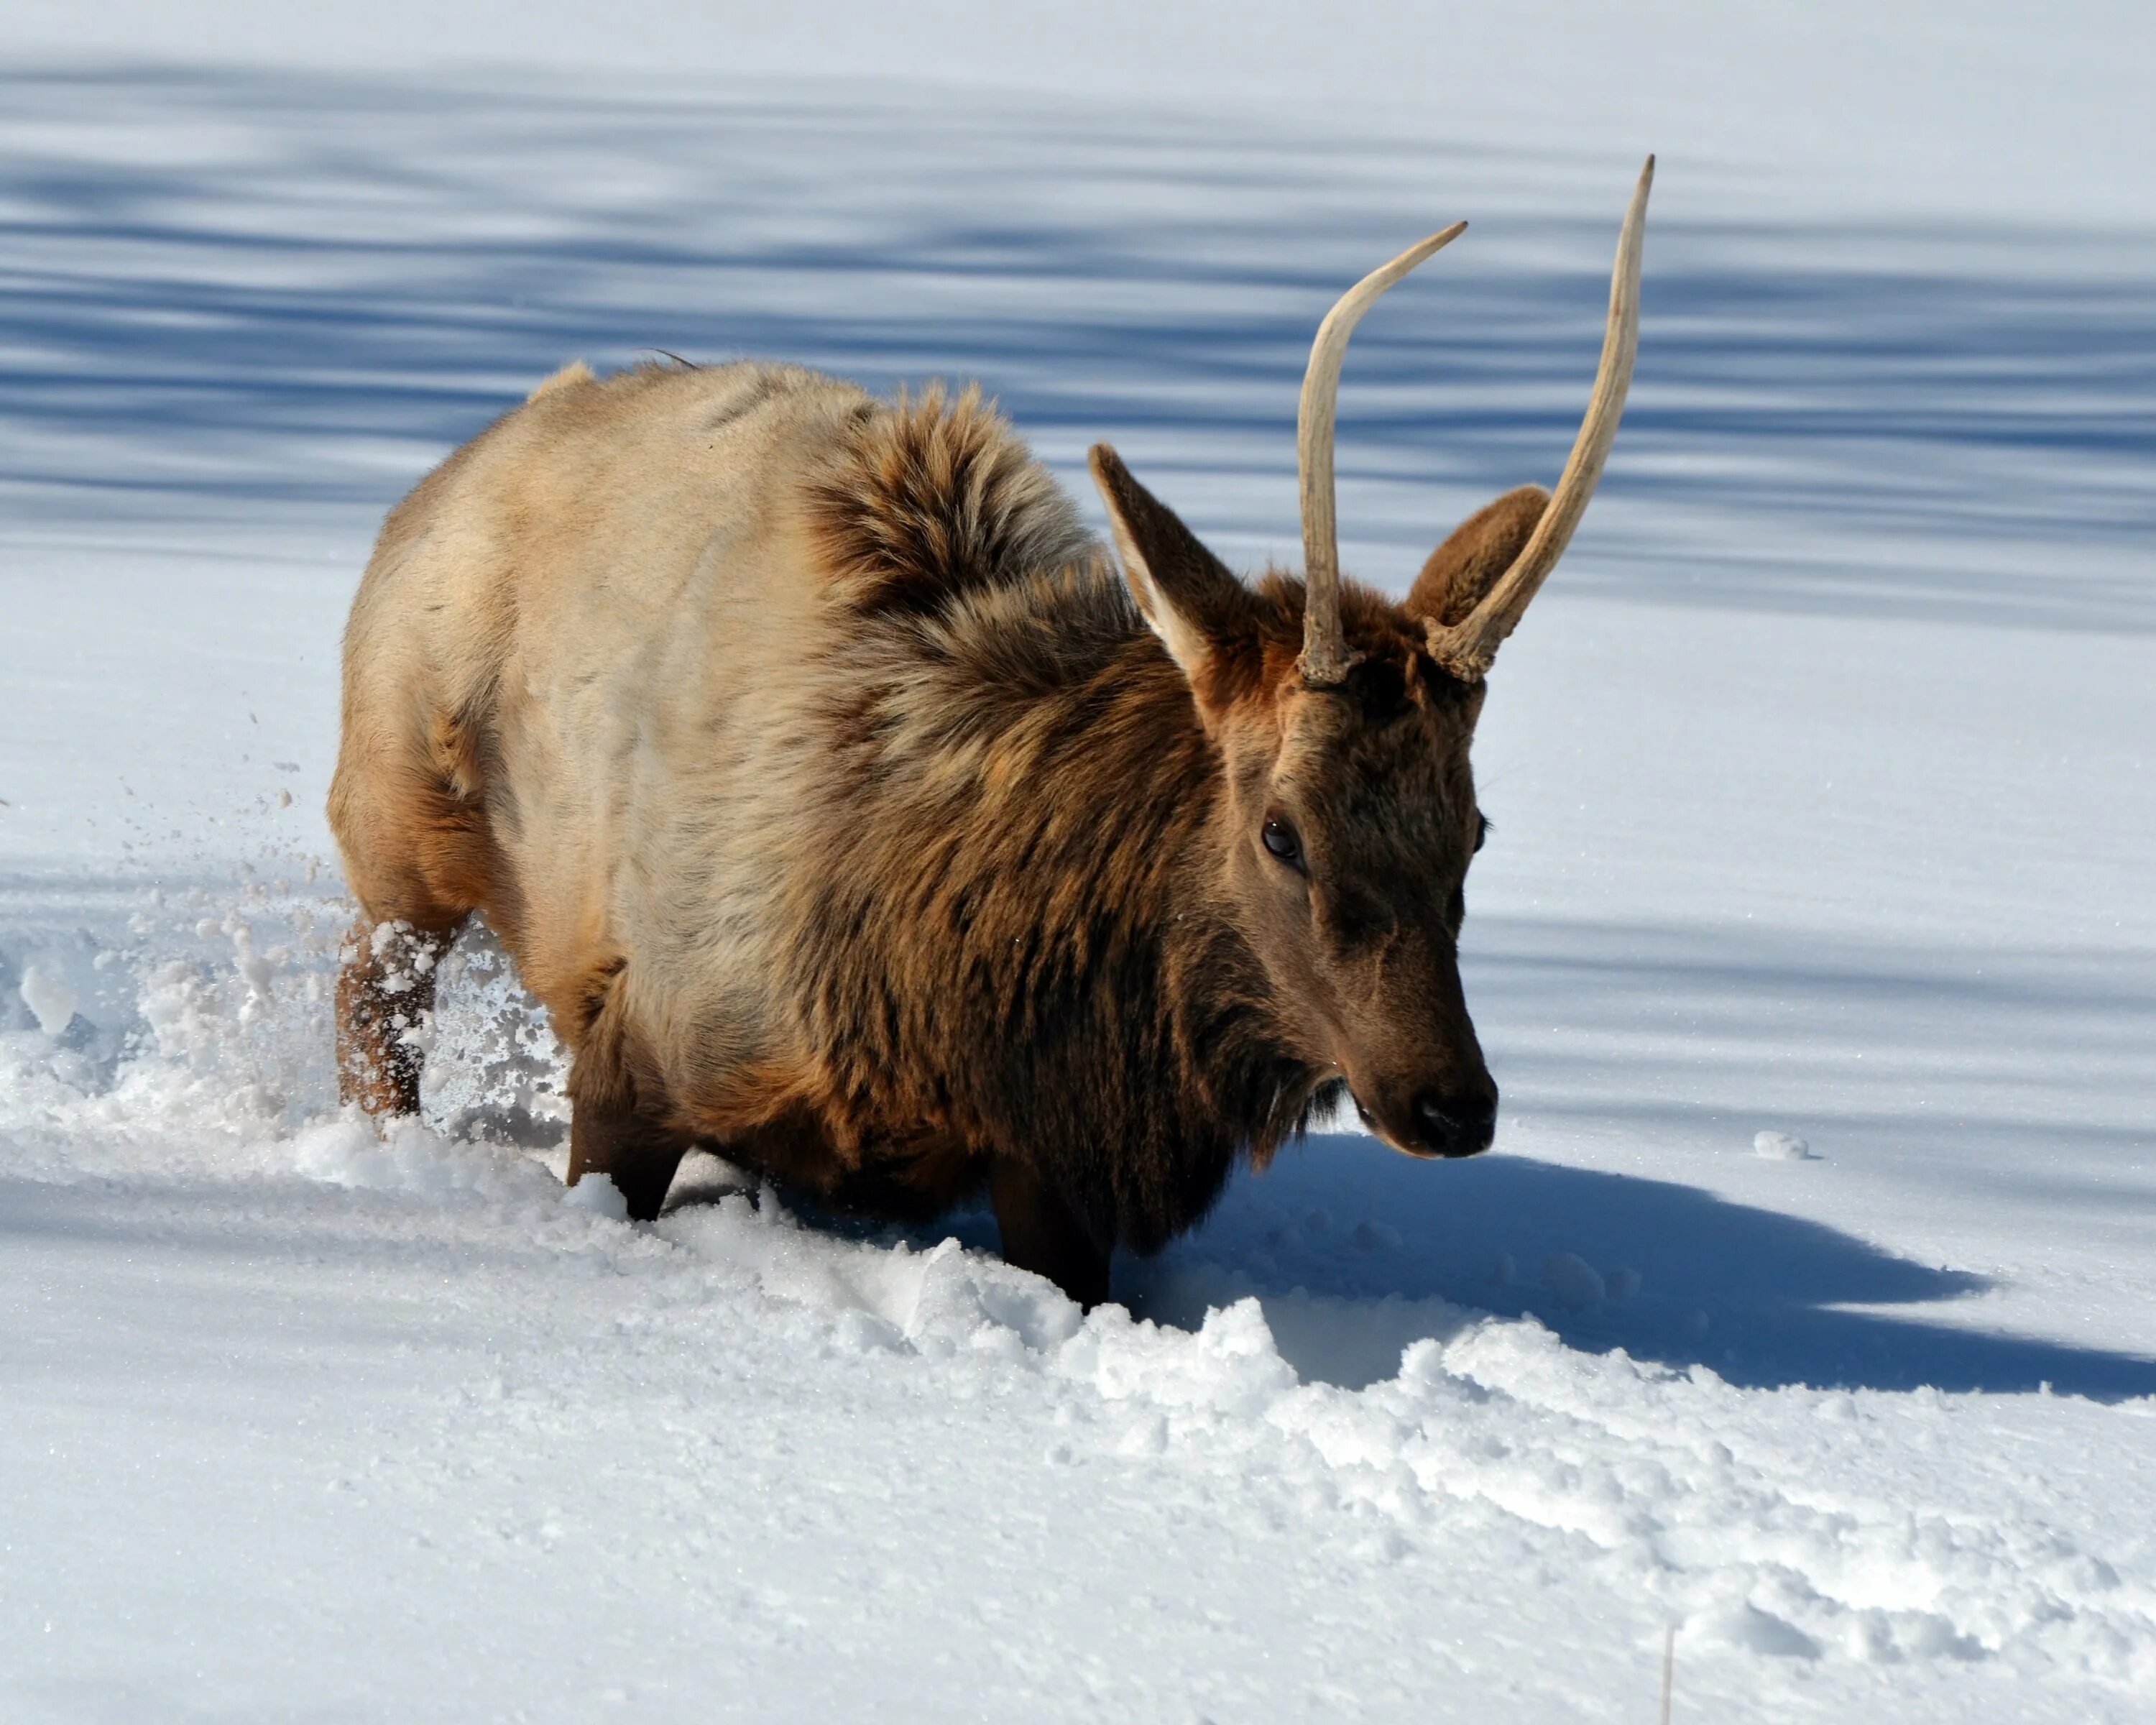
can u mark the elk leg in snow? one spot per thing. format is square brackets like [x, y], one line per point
[611, 1137]
[1041, 1234]
[384, 992]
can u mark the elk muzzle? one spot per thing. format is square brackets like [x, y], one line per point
[1450, 1118]
[1456, 1122]
[1419, 1079]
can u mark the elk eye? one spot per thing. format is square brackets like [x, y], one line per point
[1280, 839]
[1482, 830]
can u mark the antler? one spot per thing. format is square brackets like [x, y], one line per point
[1466, 648]
[1325, 658]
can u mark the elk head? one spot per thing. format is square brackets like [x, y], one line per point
[1343, 722]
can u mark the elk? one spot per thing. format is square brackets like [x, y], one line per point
[851, 813]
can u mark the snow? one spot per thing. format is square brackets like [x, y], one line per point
[1803, 1307]
[47, 994]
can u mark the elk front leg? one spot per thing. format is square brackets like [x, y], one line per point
[1042, 1234]
[385, 991]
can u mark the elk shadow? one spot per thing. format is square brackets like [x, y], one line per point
[1667, 1272]
[1352, 1271]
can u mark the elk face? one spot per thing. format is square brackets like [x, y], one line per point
[1348, 817]
[1353, 824]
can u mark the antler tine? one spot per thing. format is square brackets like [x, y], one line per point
[1325, 658]
[1466, 648]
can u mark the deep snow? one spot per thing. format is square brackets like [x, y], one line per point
[1821, 786]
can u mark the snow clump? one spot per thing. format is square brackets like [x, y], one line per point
[46, 993]
[1576, 1283]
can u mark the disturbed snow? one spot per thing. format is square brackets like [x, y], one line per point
[1804, 1309]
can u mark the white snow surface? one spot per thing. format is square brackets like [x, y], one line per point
[1805, 1307]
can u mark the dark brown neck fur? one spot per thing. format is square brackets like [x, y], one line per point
[1026, 906]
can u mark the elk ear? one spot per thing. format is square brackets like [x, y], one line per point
[1187, 595]
[1479, 550]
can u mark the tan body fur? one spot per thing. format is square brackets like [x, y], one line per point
[590, 621]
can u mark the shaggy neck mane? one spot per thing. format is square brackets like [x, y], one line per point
[1028, 886]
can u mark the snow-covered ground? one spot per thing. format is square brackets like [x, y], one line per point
[1821, 778]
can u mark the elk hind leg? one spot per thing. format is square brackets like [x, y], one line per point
[412, 822]
[385, 1000]
[612, 1125]
[610, 1136]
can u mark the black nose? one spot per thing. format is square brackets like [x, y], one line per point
[1455, 1126]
